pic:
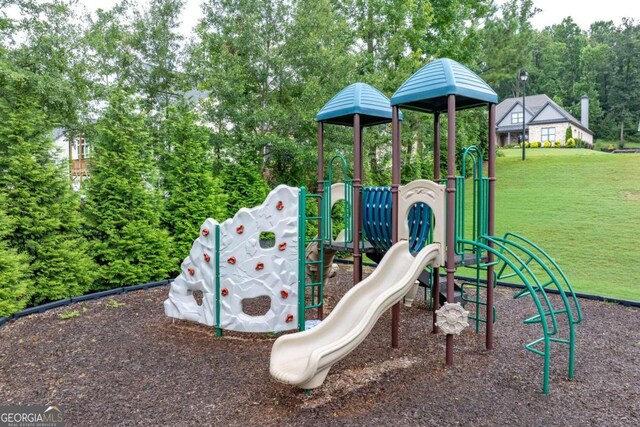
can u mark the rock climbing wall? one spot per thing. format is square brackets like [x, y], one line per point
[247, 270]
[198, 274]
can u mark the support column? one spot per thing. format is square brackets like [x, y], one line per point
[491, 222]
[320, 157]
[395, 185]
[320, 192]
[436, 177]
[451, 212]
[357, 198]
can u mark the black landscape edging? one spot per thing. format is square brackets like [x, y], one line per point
[625, 302]
[88, 297]
[42, 308]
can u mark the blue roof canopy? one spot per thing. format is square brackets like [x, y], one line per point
[427, 89]
[357, 98]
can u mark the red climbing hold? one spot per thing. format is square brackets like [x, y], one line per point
[282, 246]
[224, 292]
[191, 271]
[260, 266]
[284, 294]
[205, 232]
[240, 229]
[232, 260]
[280, 205]
[207, 257]
[289, 318]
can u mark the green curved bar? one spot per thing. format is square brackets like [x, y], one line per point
[348, 202]
[551, 312]
[543, 320]
[480, 200]
[563, 296]
[556, 266]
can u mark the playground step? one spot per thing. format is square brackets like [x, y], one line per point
[425, 279]
[469, 259]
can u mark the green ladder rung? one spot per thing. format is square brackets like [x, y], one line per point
[312, 306]
[524, 265]
[310, 218]
[313, 262]
[312, 285]
[313, 240]
[474, 301]
[482, 319]
[525, 292]
[537, 318]
[475, 285]
[535, 350]
[478, 319]
[560, 340]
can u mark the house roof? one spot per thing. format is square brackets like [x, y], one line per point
[357, 98]
[428, 88]
[534, 105]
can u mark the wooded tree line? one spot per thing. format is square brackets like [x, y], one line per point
[185, 129]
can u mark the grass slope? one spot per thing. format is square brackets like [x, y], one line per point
[582, 207]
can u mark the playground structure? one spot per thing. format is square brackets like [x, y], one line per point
[412, 230]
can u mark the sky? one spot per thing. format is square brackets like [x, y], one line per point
[583, 12]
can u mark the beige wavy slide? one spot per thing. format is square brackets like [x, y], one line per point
[303, 359]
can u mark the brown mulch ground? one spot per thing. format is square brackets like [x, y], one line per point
[129, 365]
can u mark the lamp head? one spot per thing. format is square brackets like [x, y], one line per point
[524, 76]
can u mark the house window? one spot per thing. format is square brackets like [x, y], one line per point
[548, 134]
[85, 148]
[516, 118]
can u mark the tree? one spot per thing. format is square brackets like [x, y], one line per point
[45, 44]
[15, 274]
[157, 44]
[243, 184]
[123, 204]
[192, 192]
[45, 224]
[507, 43]
[625, 89]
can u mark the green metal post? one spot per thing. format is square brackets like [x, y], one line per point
[218, 328]
[302, 235]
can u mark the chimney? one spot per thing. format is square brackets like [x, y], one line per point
[584, 111]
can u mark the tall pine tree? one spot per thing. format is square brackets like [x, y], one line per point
[192, 192]
[45, 224]
[14, 272]
[123, 205]
[243, 184]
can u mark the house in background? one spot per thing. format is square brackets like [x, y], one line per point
[75, 155]
[544, 121]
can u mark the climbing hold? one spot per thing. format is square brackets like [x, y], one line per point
[282, 246]
[289, 318]
[260, 266]
[240, 229]
[224, 292]
[207, 257]
[205, 232]
[191, 271]
[232, 260]
[280, 205]
[284, 294]
[452, 318]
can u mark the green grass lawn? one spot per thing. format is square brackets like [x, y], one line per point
[582, 207]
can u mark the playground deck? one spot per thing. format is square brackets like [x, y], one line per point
[131, 365]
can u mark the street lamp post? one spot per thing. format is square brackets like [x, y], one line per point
[523, 76]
